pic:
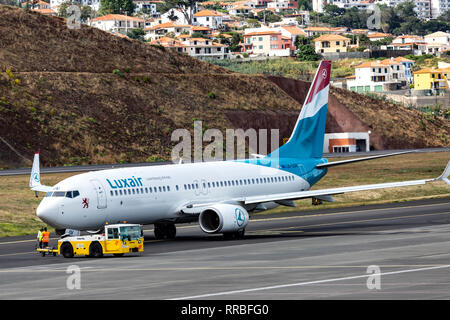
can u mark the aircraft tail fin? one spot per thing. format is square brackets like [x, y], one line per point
[307, 138]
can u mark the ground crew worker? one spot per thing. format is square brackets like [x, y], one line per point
[45, 238]
[39, 237]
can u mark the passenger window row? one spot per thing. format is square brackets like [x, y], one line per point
[194, 186]
[240, 182]
[146, 190]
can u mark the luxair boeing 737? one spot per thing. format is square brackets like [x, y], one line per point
[219, 195]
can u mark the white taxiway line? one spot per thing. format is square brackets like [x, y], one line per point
[298, 284]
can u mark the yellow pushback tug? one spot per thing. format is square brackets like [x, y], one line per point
[117, 239]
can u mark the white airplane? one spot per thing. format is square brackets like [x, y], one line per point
[219, 195]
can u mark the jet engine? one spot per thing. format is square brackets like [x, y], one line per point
[223, 218]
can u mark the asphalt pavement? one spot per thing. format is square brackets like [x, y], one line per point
[390, 251]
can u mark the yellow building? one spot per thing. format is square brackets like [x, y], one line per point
[427, 79]
[331, 43]
[446, 74]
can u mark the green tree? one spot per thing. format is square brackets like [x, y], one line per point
[305, 5]
[235, 42]
[185, 6]
[302, 40]
[307, 52]
[268, 16]
[86, 11]
[199, 35]
[117, 7]
[172, 16]
[137, 34]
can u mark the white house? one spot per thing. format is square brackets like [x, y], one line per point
[201, 48]
[407, 39]
[240, 10]
[375, 36]
[359, 4]
[438, 38]
[209, 18]
[300, 18]
[435, 43]
[147, 6]
[378, 76]
[117, 23]
[161, 30]
[94, 4]
[280, 5]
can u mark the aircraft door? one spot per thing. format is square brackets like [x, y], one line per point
[196, 188]
[101, 194]
[204, 187]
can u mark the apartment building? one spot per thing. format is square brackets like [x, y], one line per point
[117, 23]
[268, 43]
[378, 76]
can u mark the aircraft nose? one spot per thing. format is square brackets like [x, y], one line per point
[47, 214]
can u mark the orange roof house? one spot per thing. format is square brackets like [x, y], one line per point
[378, 36]
[208, 13]
[331, 43]
[117, 23]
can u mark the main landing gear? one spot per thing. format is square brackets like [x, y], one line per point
[165, 231]
[234, 235]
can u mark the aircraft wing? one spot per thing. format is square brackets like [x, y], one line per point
[334, 191]
[196, 207]
[42, 188]
[338, 163]
[329, 192]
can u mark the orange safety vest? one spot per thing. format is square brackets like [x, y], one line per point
[45, 236]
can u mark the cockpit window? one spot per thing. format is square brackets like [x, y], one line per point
[68, 194]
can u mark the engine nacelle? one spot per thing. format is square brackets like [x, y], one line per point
[222, 218]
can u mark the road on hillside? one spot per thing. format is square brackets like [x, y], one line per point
[66, 169]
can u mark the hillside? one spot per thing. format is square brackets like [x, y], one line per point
[86, 96]
[392, 126]
[59, 93]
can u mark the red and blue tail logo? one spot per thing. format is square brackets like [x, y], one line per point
[307, 137]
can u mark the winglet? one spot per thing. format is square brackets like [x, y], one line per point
[35, 178]
[445, 174]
